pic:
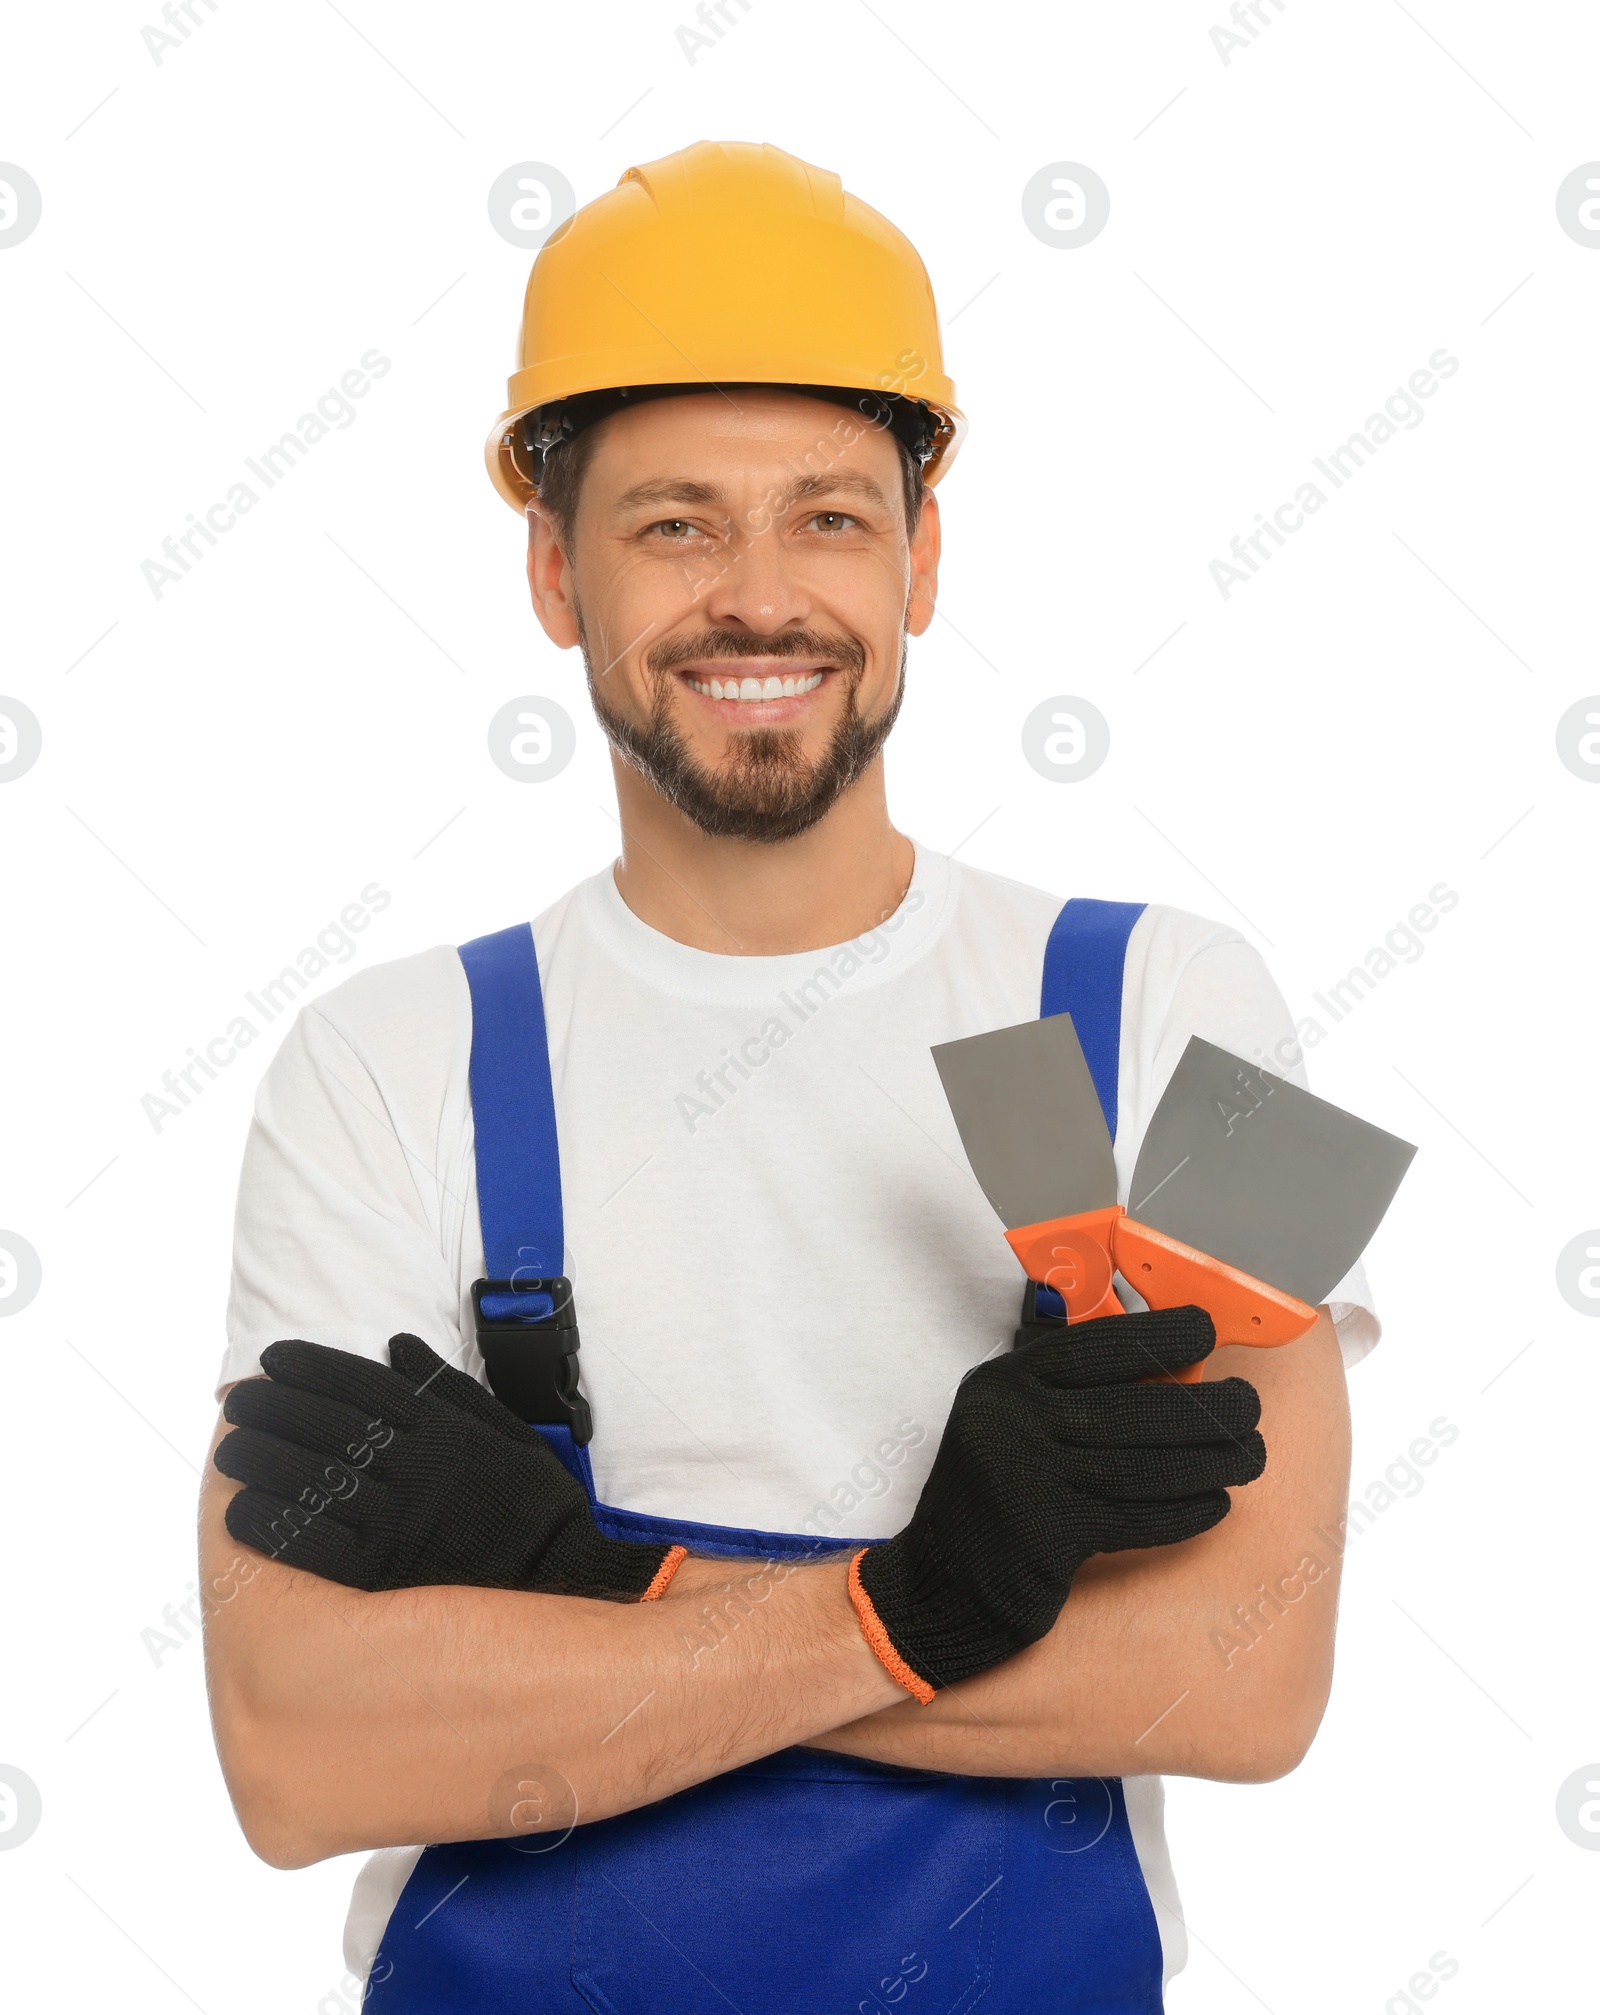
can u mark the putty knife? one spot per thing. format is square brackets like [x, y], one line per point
[1253, 1228]
[1249, 1168]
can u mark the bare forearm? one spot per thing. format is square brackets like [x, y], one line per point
[1150, 1668]
[348, 1720]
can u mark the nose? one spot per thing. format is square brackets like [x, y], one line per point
[758, 590]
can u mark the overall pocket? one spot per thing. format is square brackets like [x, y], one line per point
[802, 1885]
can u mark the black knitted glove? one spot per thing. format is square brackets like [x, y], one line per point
[1050, 1455]
[412, 1475]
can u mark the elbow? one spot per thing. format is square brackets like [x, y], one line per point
[1263, 1756]
[280, 1827]
[273, 1795]
[276, 1839]
[1272, 1736]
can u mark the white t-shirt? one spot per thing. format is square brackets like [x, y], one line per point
[782, 1265]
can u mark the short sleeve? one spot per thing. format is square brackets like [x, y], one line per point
[1186, 977]
[355, 1181]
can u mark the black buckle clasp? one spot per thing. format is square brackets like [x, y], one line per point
[532, 1360]
[1032, 1312]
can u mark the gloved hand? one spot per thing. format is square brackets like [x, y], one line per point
[412, 1475]
[1050, 1455]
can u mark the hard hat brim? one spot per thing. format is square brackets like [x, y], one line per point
[519, 490]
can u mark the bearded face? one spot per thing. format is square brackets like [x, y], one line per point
[765, 787]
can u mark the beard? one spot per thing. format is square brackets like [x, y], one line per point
[765, 790]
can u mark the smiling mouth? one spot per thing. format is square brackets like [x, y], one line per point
[773, 687]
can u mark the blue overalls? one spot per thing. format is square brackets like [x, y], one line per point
[803, 1884]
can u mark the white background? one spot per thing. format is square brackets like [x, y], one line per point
[224, 768]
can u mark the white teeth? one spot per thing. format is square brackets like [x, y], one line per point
[770, 688]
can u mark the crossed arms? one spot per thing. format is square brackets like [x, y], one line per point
[346, 1720]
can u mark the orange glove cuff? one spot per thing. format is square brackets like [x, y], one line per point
[675, 1557]
[873, 1631]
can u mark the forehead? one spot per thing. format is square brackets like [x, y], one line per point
[740, 430]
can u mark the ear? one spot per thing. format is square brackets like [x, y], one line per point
[550, 581]
[924, 555]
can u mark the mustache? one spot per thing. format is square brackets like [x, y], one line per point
[672, 652]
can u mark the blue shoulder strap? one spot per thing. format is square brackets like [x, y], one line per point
[519, 1183]
[1083, 964]
[513, 1105]
[514, 1112]
[513, 1102]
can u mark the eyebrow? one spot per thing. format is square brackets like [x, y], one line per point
[684, 490]
[843, 482]
[670, 490]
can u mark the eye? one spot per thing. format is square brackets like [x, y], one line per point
[673, 528]
[833, 521]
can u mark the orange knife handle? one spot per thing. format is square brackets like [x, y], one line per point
[1167, 1274]
[1072, 1255]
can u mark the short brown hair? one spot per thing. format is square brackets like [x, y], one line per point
[564, 464]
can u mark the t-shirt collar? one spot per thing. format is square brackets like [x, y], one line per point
[727, 978]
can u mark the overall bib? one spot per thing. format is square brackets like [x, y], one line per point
[803, 1884]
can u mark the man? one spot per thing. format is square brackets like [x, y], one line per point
[835, 1642]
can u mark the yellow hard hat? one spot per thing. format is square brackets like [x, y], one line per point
[726, 264]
